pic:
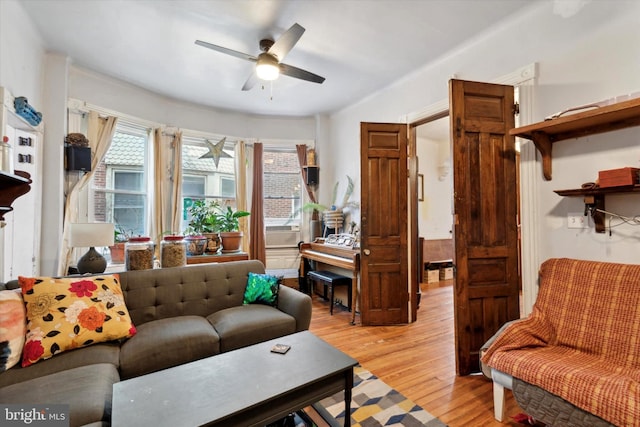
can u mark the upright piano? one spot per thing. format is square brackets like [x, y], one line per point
[341, 257]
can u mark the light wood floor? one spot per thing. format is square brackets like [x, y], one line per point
[417, 359]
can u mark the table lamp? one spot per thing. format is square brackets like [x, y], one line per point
[82, 235]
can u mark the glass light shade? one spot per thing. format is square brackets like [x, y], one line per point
[267, 68]
[84, 235]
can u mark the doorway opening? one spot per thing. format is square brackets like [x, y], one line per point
[435, 210]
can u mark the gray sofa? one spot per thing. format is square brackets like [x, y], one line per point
[181, 315]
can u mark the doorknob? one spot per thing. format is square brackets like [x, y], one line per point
[367, 252]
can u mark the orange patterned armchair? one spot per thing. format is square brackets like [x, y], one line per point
[580, 345]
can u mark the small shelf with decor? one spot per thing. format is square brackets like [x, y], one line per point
[597, 120]
[594, 199]
[12, 186]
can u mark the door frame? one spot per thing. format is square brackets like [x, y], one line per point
[524, 79]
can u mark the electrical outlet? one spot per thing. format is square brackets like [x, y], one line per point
[577, 220]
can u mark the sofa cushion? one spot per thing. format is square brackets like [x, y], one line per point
[67, 313]
[12, 328]
[167, 342]
[86, 389]
[250, 324]
[261, 289]
[98, 353]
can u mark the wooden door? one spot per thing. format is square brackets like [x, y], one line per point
[486, 290]
[384, 285]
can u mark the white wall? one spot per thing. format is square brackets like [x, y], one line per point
[435, 220]
[21, 53]
[117, 95]
[591, 56]
[21, 71]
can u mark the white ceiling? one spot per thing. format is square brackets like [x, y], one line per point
[359, 46]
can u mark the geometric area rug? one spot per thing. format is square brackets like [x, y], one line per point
[375, 404]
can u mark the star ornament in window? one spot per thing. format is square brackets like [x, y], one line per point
[215, 151]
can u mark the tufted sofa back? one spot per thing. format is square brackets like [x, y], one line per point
[200, 289]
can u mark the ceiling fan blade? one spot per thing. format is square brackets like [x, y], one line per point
[251, 81]
[227, 51]
[299, 73]
[285, 43]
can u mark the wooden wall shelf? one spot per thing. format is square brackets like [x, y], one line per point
[598, 191]
[12, 186]
[598, 120]
[594, 199]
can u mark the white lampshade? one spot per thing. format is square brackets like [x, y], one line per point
[268, 67]
[84, 235]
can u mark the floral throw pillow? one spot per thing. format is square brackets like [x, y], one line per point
[12, 328]
[68, 313]
[262, 289]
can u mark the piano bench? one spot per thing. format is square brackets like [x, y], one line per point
[330, 279]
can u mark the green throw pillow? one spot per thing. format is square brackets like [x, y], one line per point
[261, 289]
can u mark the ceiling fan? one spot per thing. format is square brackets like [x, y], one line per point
[268, 65]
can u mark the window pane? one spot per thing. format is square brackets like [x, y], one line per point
[228, 188]
[119, 184]
[128, 181]
[202, 180]
[282, 188]
[193, 185]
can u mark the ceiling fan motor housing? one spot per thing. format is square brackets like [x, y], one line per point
[265, 44]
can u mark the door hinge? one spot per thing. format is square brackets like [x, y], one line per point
[516, 108]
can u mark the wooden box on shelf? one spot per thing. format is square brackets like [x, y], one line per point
[618, 177]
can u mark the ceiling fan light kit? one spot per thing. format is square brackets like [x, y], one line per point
[268, 65]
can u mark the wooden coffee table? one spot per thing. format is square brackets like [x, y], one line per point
[250, 386]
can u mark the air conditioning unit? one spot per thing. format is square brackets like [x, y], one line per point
[282, 236]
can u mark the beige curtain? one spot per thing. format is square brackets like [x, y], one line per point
[160, 168]
[240, 159]
[301, 149]
[257, 249]
[176, 184]
[100, 130]
[167, 184]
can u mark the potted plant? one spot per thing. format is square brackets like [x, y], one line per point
[333, 214]
[120, 237]
[229, 225]
[204, 222]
